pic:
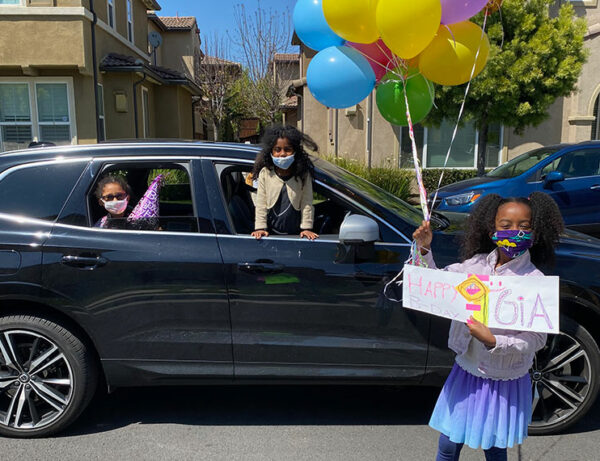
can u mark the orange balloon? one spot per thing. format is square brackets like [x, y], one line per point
[449, 58]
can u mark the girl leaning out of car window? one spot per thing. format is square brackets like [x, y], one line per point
[486, 401]
[284, 194]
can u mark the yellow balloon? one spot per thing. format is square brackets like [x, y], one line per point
[449, 59]
[353, 20]
[408, 26]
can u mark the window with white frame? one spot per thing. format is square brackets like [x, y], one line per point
[130, 20]
[433, 142]
[111, 13]
[35, 109]
[16, 129]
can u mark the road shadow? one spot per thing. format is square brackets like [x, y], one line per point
[257, 406]
[265, 405]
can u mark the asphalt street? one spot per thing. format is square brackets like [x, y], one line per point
[274, 423]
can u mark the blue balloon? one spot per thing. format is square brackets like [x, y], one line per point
[340, 77]
[311, 26]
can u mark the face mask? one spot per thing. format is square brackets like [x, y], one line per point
[116, 206]
[283, 162]
[513, 243]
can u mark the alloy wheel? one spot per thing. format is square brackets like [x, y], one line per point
[561, 380]
[36, 380]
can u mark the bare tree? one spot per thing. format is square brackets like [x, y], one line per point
[260, 36]
[217, 76]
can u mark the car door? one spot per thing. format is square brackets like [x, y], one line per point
[578, 195]
[154, 301]
[312, 308]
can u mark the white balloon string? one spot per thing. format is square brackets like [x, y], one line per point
[460, 114]
[411, 132]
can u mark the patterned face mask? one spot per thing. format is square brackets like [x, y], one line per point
[513, 243]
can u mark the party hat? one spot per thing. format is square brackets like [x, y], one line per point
[147, 208]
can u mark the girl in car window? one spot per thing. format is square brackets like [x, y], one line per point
[486, 401]
[112, 194]
[284, 173]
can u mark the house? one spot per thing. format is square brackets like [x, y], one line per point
[80, 71]
[361, 133]
[286, 69]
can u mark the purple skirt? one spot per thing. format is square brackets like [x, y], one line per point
[481, 412]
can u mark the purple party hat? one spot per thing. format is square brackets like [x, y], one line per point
[147, 207]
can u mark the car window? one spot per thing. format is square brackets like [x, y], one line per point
[522, 163]
[160, 198]
[548, 168]
[239, 194]
[580, 163]
[39, 191]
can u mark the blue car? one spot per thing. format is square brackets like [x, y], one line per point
[570, 173]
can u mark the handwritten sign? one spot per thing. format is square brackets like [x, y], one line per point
[509, 302]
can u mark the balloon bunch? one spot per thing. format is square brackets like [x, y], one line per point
[402, 46]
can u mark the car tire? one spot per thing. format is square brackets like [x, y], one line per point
[565, 378]
[47, 376]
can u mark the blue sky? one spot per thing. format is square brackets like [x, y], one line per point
[217, 15]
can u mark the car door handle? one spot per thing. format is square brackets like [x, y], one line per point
[261, 267]
[595, 187]
[84, 262]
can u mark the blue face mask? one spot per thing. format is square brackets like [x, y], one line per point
[283, 162]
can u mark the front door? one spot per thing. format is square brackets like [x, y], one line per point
[312, 308]
[154, 298]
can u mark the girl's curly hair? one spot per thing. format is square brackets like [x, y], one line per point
[302, 165]
[546, 224]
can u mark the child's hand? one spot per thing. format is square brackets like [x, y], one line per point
[423, 236]
[258, 234]
[310, 235]
[481, 332]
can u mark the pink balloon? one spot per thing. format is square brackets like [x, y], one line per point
[378, 54]
[454, 11]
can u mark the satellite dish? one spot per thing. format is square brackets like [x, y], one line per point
[154, 39]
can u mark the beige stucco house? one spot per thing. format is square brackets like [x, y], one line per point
[53, 51]
[361, 133]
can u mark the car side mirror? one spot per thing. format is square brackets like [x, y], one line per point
[552, 177]
[358, 229]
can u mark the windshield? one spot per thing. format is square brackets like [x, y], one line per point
[410, 214]
[522, 163]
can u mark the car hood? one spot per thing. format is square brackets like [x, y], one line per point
[469, 184]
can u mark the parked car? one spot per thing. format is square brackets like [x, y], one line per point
[200, 301]
[570, 173]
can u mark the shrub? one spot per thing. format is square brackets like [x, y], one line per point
[392, 180]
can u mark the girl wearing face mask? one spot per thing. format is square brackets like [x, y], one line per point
[284, 194]
[112, 195]
[486, 401]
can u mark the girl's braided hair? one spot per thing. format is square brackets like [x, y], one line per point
[302, 165]
[546, 224]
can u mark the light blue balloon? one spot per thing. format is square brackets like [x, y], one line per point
[311, 26]
[340, 77]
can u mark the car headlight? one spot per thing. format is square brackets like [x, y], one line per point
[462, 199]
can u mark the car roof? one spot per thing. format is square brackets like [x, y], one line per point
[138, 148]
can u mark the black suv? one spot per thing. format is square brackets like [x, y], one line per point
[199, 300]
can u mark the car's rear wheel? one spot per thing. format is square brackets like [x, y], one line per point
[47, 376]
[564, 378]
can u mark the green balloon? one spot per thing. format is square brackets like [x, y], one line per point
[390, 98]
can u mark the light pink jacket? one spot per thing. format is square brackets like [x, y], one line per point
[513, 354]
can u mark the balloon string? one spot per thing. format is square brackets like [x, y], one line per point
[411, 132]
[385, 66]
[460, 114]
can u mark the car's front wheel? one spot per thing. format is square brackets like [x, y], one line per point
[564, 378]
[47, 376]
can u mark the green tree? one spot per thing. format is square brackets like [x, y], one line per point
[536, 56]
